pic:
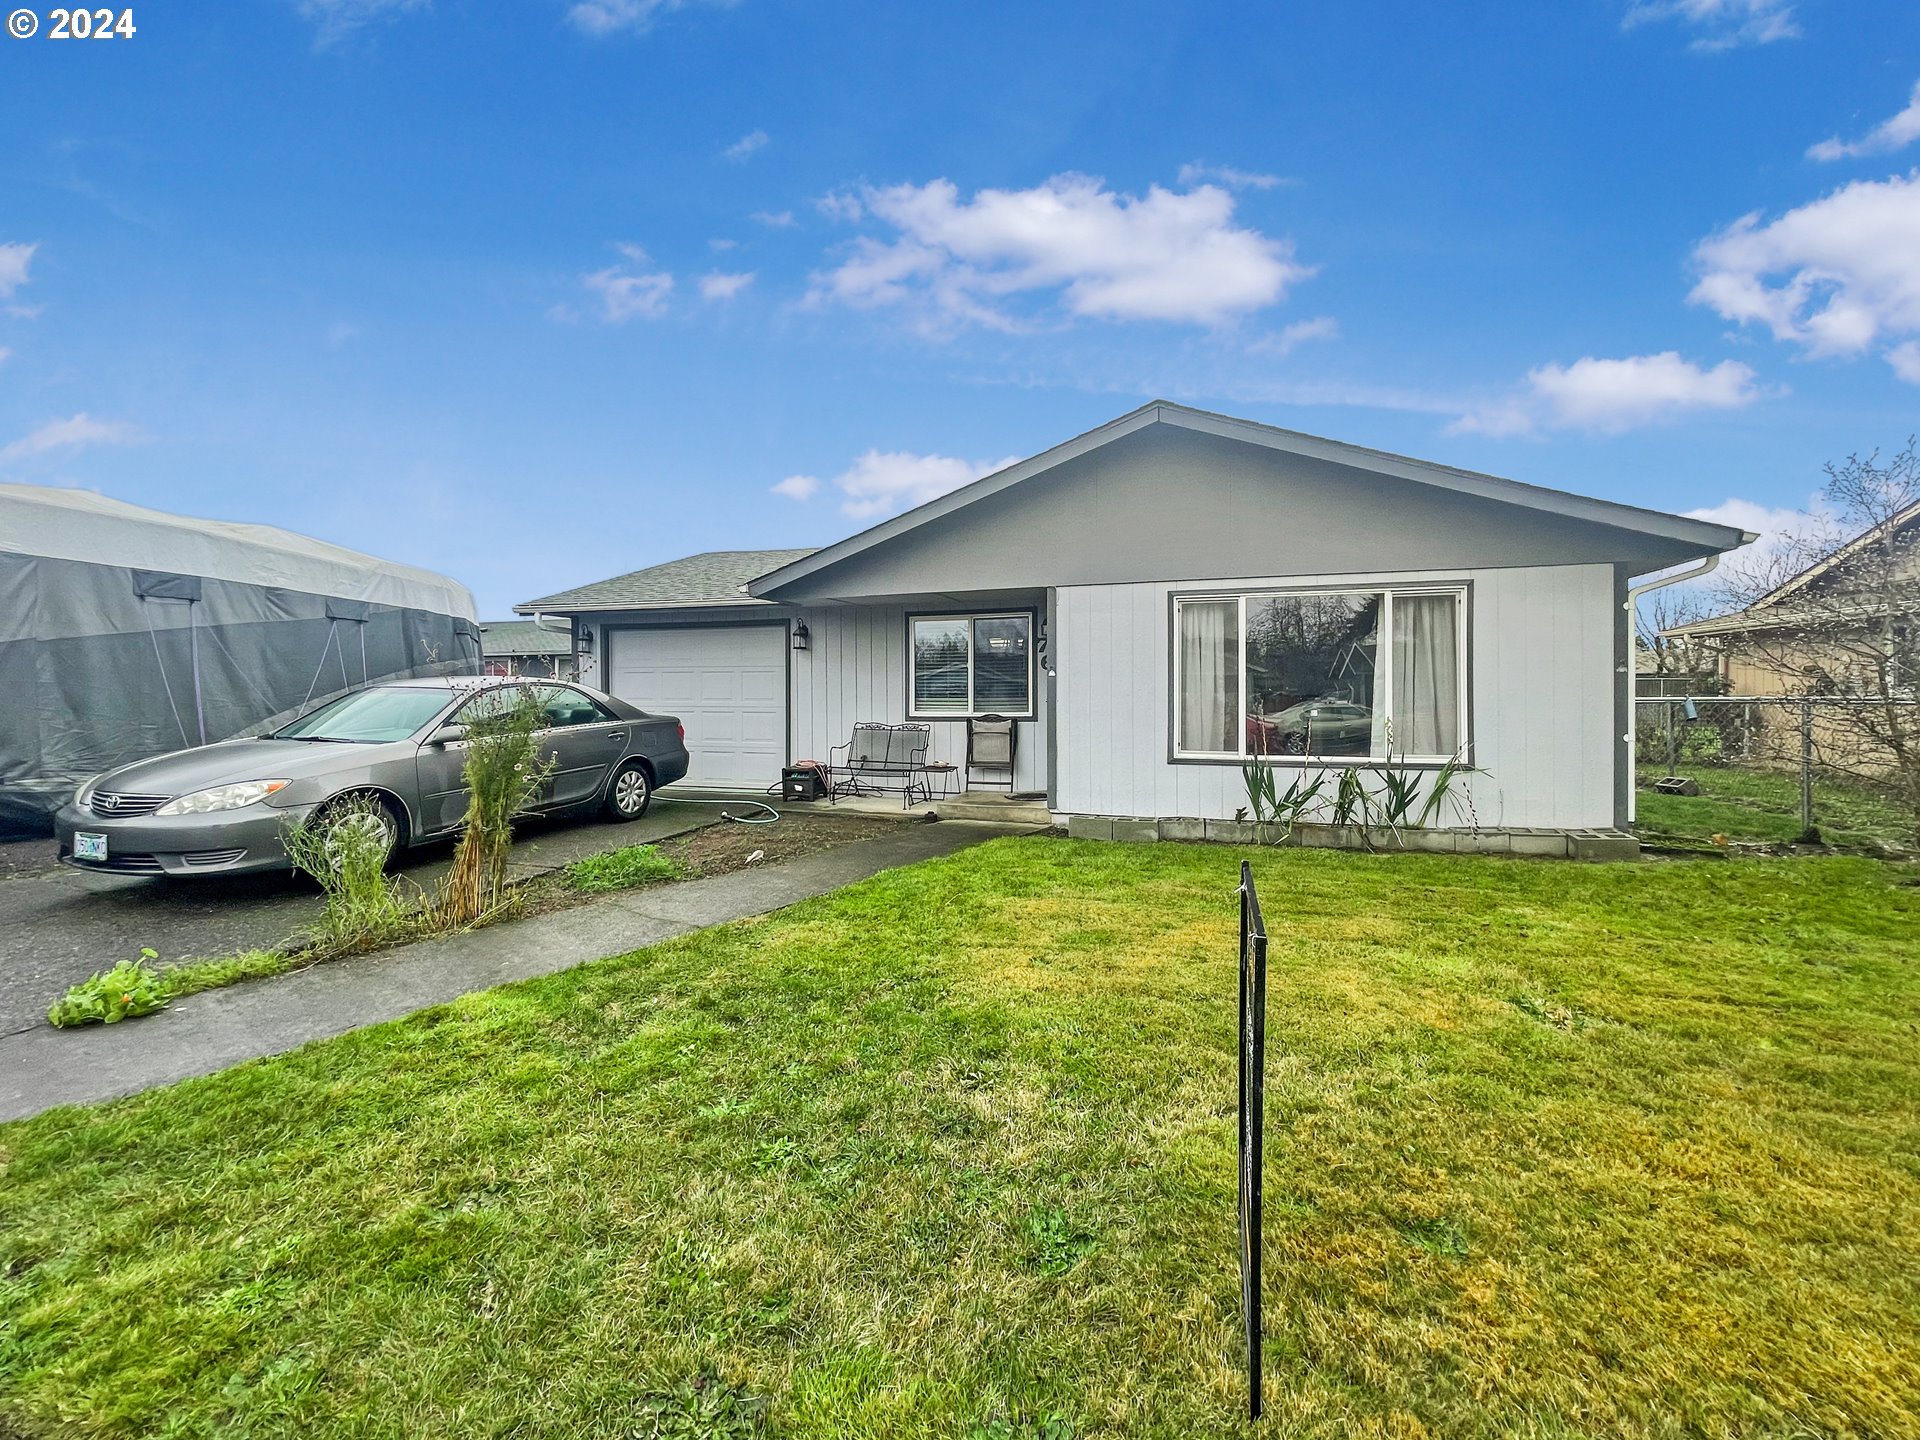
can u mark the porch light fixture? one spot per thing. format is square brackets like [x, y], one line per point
[800, 635]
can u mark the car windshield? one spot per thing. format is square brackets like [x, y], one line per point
[390, 712]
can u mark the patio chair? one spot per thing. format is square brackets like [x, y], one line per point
[990, 747]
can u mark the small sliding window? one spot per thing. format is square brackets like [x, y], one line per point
[965, 665]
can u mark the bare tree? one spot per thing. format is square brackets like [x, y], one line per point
[1668, 654]
[1834, 612]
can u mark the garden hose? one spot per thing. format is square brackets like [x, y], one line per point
[771, 815]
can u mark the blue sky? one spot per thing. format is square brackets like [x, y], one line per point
[541, 292]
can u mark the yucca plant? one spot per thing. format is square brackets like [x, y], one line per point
[1260, 790]
[1352, 803]
[1301, 795]
[1399, 793]
[1444, 781]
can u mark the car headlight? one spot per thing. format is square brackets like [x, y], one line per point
[221, 797]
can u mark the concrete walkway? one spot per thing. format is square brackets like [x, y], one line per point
[59, 925]
[203, 1033]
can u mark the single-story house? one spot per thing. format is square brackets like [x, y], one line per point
[522, 647]
[1160, 599]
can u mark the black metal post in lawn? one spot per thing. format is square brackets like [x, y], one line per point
[1253, 1104]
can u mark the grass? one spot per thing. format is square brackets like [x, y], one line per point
[1763, 806]
[1553, 1150]
[621, 869]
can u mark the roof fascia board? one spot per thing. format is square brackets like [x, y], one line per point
[1714, 538]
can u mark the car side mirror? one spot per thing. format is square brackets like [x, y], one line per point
[447, 735]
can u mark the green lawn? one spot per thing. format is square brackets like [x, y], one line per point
[1553, 1150]
[1764, 805]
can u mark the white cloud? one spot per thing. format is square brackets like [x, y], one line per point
[1321, 327]
[1905, 360]
[1780, 528]
[610, 17]
[1233, 179]
[74, 433]
[1848, 269]
[1894, 133]
[717, 286]
[773, 219]
[14, 262]
[1722, 24]
[840, 205]
[881, 482]
[1612, 395]
[4, 353]
[746, 145]
[335, 20]
[721, 243]
[1162, 256]
[797, 487]
[626, 291]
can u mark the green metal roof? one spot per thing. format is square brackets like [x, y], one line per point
[717, 577]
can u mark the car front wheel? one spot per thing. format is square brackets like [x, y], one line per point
[630, 793]
[360, 817]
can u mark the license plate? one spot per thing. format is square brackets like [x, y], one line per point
[89, 846]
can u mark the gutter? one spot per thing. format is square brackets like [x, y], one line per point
[1660, 582]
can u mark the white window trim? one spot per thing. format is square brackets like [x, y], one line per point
[967, 618]
[1383, 674]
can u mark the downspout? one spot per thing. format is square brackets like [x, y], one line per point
[1695, 571]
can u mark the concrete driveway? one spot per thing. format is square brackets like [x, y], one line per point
[59, 925]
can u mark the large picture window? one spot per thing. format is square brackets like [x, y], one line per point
[1337, 675]
[964, 665]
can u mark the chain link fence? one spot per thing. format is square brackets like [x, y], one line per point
[1775, 769]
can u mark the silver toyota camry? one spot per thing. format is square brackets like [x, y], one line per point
[223, 809]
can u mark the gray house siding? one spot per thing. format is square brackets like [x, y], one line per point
[1165, 503]
[1541, 657]
[853, 669]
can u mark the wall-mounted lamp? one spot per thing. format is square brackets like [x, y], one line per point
[800, 635]
[583, 642]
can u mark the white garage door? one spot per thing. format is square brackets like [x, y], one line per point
[728, 685]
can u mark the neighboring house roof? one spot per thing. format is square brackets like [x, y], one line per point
[718, 577]
[522, 637]
[1703, 537]
[1770, 612]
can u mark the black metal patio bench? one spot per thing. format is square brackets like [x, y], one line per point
[881, 759]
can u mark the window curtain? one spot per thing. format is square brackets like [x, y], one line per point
[1209, 677]
[1426, 674]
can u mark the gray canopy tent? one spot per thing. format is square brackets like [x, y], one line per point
[127, 632]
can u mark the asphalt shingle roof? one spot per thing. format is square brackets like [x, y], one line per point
[522, 637]
[715, 578]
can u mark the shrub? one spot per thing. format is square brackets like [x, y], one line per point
[130, 988]
[503, 778]
[620, 869]
[342, 849]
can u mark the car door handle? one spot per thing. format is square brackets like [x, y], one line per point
[619, 735]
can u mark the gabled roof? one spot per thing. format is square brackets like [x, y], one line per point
[1892, 525]
[717, 577]
[1770, 611]
[522, 637]
[1707, 537]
